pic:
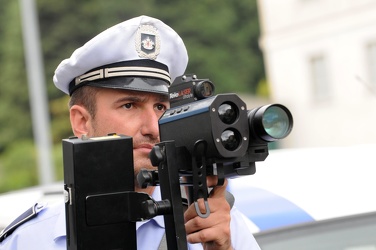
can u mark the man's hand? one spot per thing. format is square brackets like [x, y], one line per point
[214, 231]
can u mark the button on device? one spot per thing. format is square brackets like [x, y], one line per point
[178, 110]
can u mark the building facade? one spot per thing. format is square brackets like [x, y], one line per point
[320, 59]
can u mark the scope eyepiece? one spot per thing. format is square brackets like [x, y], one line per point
[203, 89]
[188, 88]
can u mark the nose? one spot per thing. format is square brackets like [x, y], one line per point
[150, 126]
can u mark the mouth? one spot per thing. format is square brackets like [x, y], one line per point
[145, 147]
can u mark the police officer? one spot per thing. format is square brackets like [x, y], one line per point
[118, 82]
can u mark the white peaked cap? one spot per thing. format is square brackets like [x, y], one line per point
[123, 55]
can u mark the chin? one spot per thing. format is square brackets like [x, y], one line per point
[143, 162]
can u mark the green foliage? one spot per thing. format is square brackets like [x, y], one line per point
[58, 160]
[221, 38]
[14, 104]
[60, 123]
[222, 41]
[67, 25]
[18, 166]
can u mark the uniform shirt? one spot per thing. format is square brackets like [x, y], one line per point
[47, 231]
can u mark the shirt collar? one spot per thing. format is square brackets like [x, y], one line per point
[60, 230]
[159, 220]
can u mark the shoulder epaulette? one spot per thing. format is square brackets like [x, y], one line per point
[26, 216]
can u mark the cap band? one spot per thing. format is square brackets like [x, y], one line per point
[135, 68]
[124, 71]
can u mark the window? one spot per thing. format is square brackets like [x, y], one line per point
[319, 78]
[371, 60]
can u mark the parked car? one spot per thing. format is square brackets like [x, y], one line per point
[316, 198]
[13, 204]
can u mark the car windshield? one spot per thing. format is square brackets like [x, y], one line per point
[346, 233]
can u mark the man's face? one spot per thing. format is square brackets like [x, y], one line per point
[130, 113]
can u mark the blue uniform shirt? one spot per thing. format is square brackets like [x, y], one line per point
[47, 231]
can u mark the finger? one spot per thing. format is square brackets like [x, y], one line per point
[202, 236]
[197, 223]
[191, 211]
[206, 230]
[219, 219]
[219, 191]
[216, 204]
[210, 236]
[211, 181]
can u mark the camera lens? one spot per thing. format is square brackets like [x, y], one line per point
[204, 89]
[228, 113]
[231, 139]
[276, 122]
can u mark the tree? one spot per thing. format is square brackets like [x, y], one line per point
[222, 40]
[14, 102]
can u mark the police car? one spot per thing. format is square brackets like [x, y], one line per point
[321, 198]
[317, 198]
[13, 204]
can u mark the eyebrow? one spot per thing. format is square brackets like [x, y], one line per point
[164, 98]
[142, 98]
[129, 99]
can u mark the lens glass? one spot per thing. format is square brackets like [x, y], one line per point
[228, 113]
[276, 122]
[205, 89]
[231, 139]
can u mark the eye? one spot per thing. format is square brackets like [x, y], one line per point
[161, 107]
[127, 105]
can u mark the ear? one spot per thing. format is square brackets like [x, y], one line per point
[80, 120]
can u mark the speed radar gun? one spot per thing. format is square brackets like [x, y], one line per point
[202, 134]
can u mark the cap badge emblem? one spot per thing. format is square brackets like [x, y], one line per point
[147, 42]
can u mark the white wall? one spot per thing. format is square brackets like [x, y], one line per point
[294, 31]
